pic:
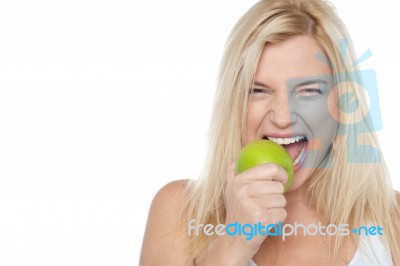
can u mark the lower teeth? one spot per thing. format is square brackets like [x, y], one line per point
[301, 154]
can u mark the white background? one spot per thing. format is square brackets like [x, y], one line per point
[102, 102]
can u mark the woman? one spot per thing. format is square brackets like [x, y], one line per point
[284, 77]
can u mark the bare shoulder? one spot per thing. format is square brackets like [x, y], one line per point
[169, 198]
[163, 241]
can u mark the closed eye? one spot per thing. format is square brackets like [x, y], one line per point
[259, 91]
[306, 92]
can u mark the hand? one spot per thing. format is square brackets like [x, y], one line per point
[255, 195]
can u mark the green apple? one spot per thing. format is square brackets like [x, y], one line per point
[265, 151]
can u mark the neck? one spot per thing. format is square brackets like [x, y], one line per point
[298, 207]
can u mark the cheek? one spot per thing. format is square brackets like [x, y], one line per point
[326, 115]
[323, 126]
[254, 119]
[319, 118]
[333, 104]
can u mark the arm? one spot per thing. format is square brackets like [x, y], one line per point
[162, 243]
[256, 195]
[163, 247]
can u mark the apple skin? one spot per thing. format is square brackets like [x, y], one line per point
[265, 151]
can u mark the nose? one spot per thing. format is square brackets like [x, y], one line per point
[281, 114]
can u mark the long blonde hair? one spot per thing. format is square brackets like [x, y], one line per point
[353, 193]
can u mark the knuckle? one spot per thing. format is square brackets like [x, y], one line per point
[278, 171]
[272, 217]
[258, 212]
[236, 184]
[284, 213]
[281, 200]
[285, 175]
[276, 200]
[239, 188]
[277, 215]
[280, 188]
[274, 167]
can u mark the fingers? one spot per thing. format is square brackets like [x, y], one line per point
[271, 201]
[260, 188]
[267, 171]
[255, 195]
[276, 215]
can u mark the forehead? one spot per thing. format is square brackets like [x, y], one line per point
[293, 58]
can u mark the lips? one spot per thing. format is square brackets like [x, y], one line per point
[295, 146]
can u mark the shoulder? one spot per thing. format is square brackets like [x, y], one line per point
[163, 242]
[173, 192]
[168, 200]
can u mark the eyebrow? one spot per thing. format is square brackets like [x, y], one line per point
[260, 84]
[313, 81]
[305, 83]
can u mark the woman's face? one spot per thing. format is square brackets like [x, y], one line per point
[292, 104]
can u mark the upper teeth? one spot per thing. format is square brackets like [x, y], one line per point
[281, 141]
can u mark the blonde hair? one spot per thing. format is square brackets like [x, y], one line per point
[353, 193]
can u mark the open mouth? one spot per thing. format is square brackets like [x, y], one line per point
[295, 147]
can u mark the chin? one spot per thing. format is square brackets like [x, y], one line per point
[300, 177]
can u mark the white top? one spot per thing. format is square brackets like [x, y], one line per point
[371, 251]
